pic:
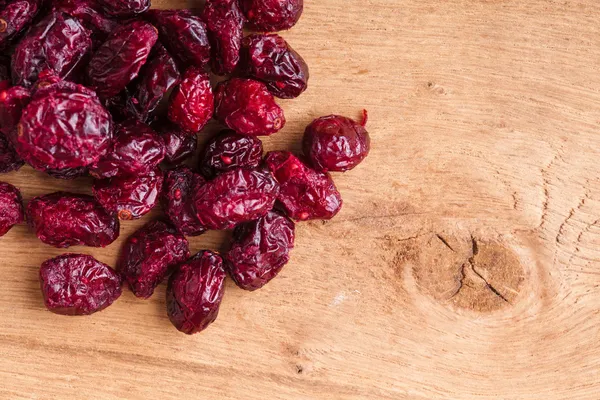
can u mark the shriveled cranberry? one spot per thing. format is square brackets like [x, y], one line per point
[259, 250]
[270, 59]
[178, 200]
[130, 196]
[67, 173]
[195, 292]
[78, 284]
[125, 8]
[305, 193]
[149, 255]
[9, 159]
[272, 15]
[235, 196]
[12, 103]
[15, 17]
[11, 206]
[64, 219]
[179, 145]
[192, 102]
[229, 150]
[247, 107]
[90, 14]
[5, 81]
[225, 22]
[120, 58]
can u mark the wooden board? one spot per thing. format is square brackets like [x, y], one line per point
[465, 263]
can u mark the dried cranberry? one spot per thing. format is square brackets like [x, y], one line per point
[178, 198]
[78, 284]
[67, 173]
[195, 292]
[5, 81]
[225, 22]
[179, 145]
[63, 219]
[235, 196]
[247, 107]
[149, 255]
[125, 8]
[120, 58]
[305, 193]
[259, 250]
[229, 150]
[192, 103]
[272, 15]
[11, 206]
[268, 58]
[89, 13]
[130, 196]
[12, 103]
[15, 17]
[9, 159]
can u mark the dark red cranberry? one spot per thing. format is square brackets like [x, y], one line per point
[11, 204]
[259, 250]
[9, 159]
[5, 80]
[15, 17]
[247, 107]
[272, 15]
[229, 150]
[336, 143]
[90, 14]
[149, 255]
[305, 193]
[225, 22]
[67, 173]
[178, 200]
[179, 145]
[63, 219]
[125, 8]
[78, 284]
[195, 292]
[12, 103]
[192, 102]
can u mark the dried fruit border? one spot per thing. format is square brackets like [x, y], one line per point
[115, 90]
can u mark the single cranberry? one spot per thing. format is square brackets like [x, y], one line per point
[272, 15]
[9, 159]
[179, 145]
[12, 103]
[67, 173]
[11, 204]
[225, 22]
[192, 102]
[229, 150]
[15, 17]
[178, 200]
[125, 8]
[91, 15]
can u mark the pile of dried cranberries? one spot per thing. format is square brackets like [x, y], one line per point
[115, 90]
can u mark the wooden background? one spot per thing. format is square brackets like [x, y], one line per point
[465, 263]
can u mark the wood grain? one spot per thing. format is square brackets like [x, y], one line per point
[465, 263]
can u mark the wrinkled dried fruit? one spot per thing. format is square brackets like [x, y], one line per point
[179, 145]
[225, 22]
[120, 58]
[15, 17]
[195, 292]
[268, 58]
[63, 219]
[259, 250]
[130, 196]
[78, 284]
[305, 193]
[12, 103]
[192, 102]
[11, 207]
[235, 196]
[178, 200]
[229, 150]
[125, 8]
[149, 255]
[247, 107]
[67, 173]
[88, 12]
[272, 15]
[9, 159]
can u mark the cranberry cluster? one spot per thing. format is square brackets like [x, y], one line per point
[115, 90]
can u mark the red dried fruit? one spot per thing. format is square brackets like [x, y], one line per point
[305, 193]
[67, 173]
[192, 103]
[272, 15]
[120, 58]
[15, 17]
[178, 200]
[9, 159]
[130, 196]
[125, 8]
[195, 292]
[259, 250]
[63, 219]
[247, 107]
[12, 103]
[78, 284]
[11, 207]
[229, 150]
[179, 145]
[235, 196]
[149, 255]
[5, 81]
[88, 12]
[270, 59]
[225, 22]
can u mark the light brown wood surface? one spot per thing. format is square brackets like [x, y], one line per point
[465, 263]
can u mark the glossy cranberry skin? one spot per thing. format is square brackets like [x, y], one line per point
[179, 145]
[130, 196]
[192, 103]
[12, 103]
[229, 150]
[63, 219]
[247, 107]
[272, 15]
[78, 284]
[270, 59]
[120, 58]
[125, 8]
[178, 200]
[235, 196]
[90, 14]
[149, 255]
[259, 250]
[9, 159]
[15, 17]
[11, 207]
[67, 173]
[305, 193]
[195, 292]
[225, 22]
